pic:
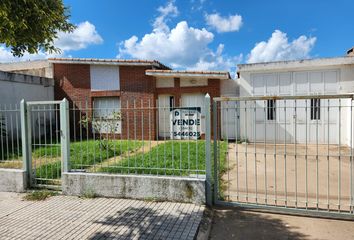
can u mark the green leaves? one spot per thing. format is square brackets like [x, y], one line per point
[32, 25]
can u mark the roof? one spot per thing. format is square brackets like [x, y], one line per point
[197, 74]
[126, 62]
[296, 64]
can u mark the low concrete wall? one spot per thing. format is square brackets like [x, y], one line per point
[181, 189]
[12, 180]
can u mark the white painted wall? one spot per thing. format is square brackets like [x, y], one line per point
[14, 88]
[163, 82]
[14, 92]
[306, 80]
[41, 68]
[193, 82]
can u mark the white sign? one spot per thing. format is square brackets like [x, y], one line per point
[185, 123]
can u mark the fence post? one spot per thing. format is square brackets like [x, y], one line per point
[208, 150]
[215, 143]
[26, 165]
[65, 135]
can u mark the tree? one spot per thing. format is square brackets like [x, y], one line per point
[32, 25]
[108, 124]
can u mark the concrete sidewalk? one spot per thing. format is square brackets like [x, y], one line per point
[64, 217]
[232, 223]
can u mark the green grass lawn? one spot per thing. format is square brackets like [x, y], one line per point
[83, 155]
[170, 158]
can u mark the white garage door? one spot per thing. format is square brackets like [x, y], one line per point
[281, 126]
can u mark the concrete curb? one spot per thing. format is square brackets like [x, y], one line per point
[159, 188]
[12, 180]
[205, 224]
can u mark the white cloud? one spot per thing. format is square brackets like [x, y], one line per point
[6, 55]
[279, 48]
[165, 11]
[181, 47]
[224, 24]
[84, 35]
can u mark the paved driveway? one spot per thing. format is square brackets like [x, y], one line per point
[63, 217]
[235, 224]
[281, 179]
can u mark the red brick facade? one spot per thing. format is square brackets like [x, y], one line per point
[137, 91]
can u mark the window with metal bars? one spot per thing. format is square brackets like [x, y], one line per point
[271, 109]
[315, 109]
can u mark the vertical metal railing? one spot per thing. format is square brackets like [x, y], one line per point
[10, 136]
[40, 130]
[292, 154]
[138, 137]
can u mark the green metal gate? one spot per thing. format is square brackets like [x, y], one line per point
[46, 142]
[283, 159]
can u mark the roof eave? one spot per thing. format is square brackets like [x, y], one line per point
[107, 62]
[296, 64]
[191, 75]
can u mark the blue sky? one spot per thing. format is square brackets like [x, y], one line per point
[206, 34]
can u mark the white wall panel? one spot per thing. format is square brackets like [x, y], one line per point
[165, 82]
[285, 84]
[189, 82]
[291, 124]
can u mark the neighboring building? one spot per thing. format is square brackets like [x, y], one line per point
[288, 78]
[128, 84]
[13, 88]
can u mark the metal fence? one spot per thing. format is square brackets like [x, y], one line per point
[48, 137]
[291, 153]
[10, 136]
[43, 140]
[137, 137]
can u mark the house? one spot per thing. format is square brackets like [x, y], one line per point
[105, 85]
[313, 120]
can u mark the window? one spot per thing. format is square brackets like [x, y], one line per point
[106, 115]
[271, 109]
[315, 109]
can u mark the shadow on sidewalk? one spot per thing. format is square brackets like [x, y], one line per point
[148, 223]
[237, 224]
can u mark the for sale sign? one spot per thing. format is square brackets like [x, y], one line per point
[185, 123]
